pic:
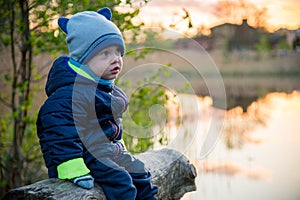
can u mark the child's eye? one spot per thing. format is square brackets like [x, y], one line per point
[118, 51]
[105, 53]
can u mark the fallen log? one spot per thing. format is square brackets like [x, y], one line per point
[171, 172]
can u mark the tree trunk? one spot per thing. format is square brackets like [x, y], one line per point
[171, 172]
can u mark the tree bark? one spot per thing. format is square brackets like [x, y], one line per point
[171, 172]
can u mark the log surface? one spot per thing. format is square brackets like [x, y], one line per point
[171, 171]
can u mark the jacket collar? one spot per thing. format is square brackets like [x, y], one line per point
[85, 72]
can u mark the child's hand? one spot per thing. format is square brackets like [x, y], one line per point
[86, 181]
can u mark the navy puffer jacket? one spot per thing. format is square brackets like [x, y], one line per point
[79, 114]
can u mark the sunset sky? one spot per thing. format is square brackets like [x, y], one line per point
[280, 13]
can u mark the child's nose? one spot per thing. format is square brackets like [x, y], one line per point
[116, 57]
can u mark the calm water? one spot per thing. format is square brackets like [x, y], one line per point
[264, 161]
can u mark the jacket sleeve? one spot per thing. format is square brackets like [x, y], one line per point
[56, 130]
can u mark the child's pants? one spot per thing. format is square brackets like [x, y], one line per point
[123, 177]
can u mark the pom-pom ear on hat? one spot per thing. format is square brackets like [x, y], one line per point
[105, 12]
[62, 22]
[89, 32]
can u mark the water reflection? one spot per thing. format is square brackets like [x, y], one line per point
[257, 156]
[233, 168]
[239, 125]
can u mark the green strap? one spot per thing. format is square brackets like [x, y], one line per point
[81, 72]
[122, 141]
[85, 71]
[72, 168]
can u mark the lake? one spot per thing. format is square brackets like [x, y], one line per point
[240, 153]
[256, 155]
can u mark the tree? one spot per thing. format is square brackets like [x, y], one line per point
[263, 47]
[26, 30]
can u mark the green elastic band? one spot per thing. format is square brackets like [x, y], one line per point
[81, 72]
[122, 141]
[72, 168]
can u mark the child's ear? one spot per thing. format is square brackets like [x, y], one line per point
[62, 22]
[105, 12]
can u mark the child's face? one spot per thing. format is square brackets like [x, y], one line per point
[108, 63]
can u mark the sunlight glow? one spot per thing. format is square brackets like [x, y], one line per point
[280, 14]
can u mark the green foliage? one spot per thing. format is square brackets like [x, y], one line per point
[31, 154]
[146, 112]
[264, 45]
[147, 41]
[27, 29]
[283, 45]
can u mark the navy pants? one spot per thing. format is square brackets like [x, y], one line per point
[123, 177]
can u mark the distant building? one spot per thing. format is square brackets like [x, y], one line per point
[234, 37]
[192, 43]
[204, 41]
[240, 37]
[220, 35]
[288, 35]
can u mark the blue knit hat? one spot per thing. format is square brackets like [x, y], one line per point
[89, 32]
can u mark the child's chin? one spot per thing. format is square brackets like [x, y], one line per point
[108, 78]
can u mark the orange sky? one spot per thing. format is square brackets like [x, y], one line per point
[280, 13]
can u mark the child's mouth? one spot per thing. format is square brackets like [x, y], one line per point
[115, 70]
